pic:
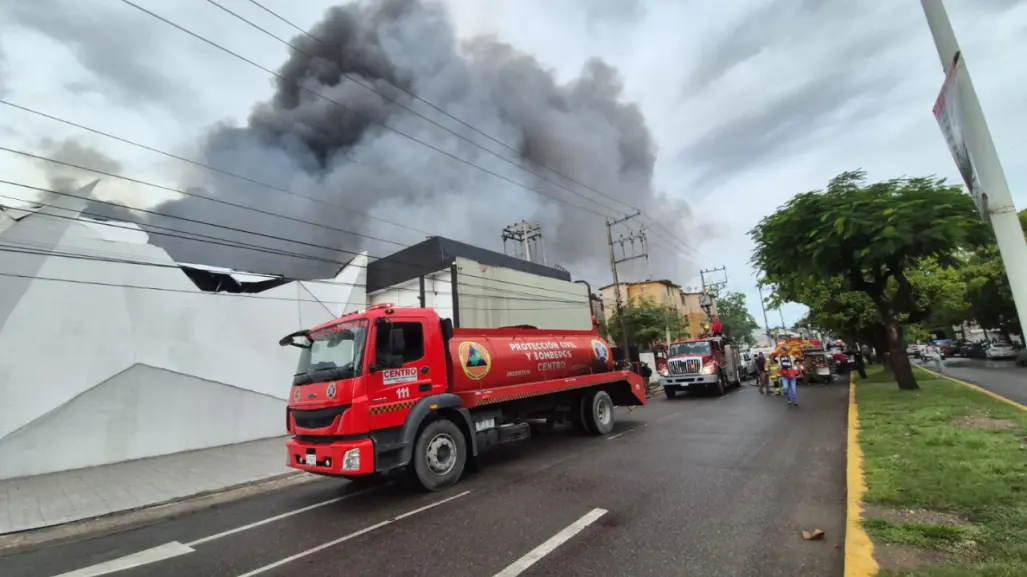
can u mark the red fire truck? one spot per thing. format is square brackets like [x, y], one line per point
[399, 388]
[707, 364]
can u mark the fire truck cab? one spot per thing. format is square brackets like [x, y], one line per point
[708, 364]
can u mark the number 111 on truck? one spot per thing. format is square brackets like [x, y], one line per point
[400, 390]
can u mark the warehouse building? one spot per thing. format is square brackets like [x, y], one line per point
[113, 351]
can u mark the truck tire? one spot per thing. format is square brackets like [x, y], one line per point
[670, 392]
[440, 454]
[721, 385]
[599, 412]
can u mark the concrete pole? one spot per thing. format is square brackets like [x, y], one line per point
[1001, 209]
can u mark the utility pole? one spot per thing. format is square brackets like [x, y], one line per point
[763, 306]
[712, 285]
[975, 153]
[616, 280]
[524, 233]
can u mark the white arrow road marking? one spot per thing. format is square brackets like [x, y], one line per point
[521, 565]
[166, 551]
[352, 535]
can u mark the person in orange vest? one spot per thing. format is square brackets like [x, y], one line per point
[789, 372]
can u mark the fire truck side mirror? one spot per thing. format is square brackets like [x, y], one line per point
[290, 340]
[447, 329]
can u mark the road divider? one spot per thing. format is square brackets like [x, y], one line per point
[521, 565]
[352, 535]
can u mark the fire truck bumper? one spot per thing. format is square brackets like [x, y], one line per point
[688, 382]
[338, 458]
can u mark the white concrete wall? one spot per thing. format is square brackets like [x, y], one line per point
[98, 373]
[438, 294]
[495, 297]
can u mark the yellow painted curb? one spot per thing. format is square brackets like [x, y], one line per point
[859, 550]
[978, 388]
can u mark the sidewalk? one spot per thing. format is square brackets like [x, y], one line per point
[55, 498]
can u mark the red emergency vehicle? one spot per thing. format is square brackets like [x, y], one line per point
[399, 388]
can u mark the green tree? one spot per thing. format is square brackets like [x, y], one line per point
[988, 295]
[869, 235]
[647, 323]
[733, 312]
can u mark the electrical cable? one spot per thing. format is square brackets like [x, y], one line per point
[435, 107]
[355, 113]
[177, 233]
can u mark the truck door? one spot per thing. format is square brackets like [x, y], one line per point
[408, 363]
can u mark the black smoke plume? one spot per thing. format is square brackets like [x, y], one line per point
[344, 156]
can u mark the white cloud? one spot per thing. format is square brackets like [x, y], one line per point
[749, 103]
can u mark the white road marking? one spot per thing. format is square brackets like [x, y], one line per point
[612, 437]
[174, 549]
[521, 565]
[665, 417]
[278, 517]
[165, 551]
[352, 535]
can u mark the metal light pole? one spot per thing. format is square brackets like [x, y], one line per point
[999, 205]
[763, 306]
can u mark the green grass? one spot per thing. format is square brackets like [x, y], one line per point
[917, 456]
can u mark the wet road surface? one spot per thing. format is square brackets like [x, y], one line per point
[685, 486]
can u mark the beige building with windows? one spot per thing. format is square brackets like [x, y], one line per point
[663, 292]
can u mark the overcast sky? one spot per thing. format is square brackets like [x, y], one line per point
[749, 102]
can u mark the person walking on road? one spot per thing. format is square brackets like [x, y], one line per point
[761, 370]
[934, 353]
[789, 372]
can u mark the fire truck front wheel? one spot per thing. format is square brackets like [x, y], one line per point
[440, 455]
[721, 385]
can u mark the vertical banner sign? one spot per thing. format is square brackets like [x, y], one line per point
[948, 110]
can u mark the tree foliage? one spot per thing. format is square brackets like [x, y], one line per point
[862, 237]
[647, 323]
[733, 312]
[989, 298]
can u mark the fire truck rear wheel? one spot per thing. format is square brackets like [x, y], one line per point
[439, 455]
[599, 412]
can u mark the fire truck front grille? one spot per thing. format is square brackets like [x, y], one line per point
[317, 419]
[685, 367]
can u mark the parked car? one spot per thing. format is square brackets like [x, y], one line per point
[748, 367]
[913, 351]
[947, 349]
[976, 351]
[1000, 351]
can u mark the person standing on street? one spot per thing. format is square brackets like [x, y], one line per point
[788, 373]
[761, 369]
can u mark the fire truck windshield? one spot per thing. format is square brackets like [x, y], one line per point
[694, 348]
[335, 353]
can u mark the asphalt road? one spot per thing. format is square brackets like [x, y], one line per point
[1000, 377]
[690, 486]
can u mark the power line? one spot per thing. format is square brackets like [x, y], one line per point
[216, 170]
[222, 294]
[28, 250]
[203, 165]
[441, 111]
[238, 244]
[200, 196]
[353, 112]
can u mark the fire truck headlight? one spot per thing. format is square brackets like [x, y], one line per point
[351, 460]
[709, 369]
[664, 373]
